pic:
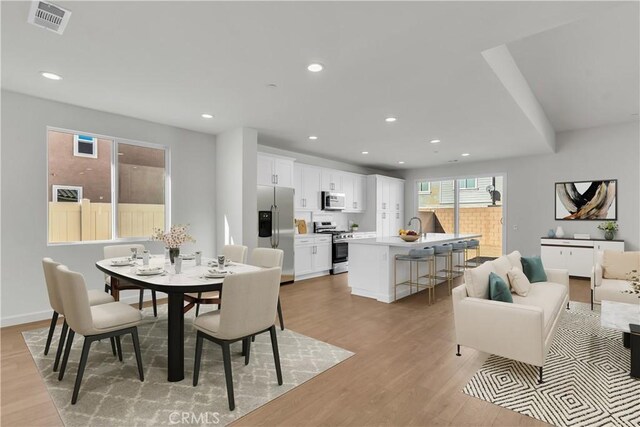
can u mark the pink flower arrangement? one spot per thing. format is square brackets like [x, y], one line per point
[176, 236]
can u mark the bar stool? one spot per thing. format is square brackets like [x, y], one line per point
[472, 244]
[426, 255]
[459, 249]
[445, 252]
[410, 282]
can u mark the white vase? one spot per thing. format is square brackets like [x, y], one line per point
[559, 232]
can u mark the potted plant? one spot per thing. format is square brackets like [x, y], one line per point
[609, 228]
[354, 227]
[176, 237]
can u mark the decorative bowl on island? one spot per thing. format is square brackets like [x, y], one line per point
[409, 237]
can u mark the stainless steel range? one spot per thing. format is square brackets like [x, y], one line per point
[340, 245]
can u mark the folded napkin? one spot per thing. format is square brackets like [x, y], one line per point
[148, 269]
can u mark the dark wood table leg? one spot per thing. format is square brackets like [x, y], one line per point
[626, 339]
[176, 337]
[634, 343]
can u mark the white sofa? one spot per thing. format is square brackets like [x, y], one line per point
[609, 277]
[522, 330]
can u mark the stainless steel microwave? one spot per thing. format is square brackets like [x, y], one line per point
[333, 201]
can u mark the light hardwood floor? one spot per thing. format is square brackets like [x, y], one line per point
[404, 371]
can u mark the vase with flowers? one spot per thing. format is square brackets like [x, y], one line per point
[609, 228]
[173, 239]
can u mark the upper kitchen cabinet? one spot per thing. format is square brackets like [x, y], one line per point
[354, 187]
[332, 180]
[307, 182]
[275, 170]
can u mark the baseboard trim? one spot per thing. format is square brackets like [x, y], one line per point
[36, 316]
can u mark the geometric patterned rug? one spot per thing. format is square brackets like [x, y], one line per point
[111, 393]
[586, 377]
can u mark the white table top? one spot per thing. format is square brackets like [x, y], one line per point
[430, 239]
[618, 315]
[190, 275]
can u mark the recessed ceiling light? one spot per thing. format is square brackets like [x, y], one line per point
[401, 162]
[207, 116]
[313, 137]
[272, 85]
[390, 119]
[365, 152]
[50, 76]
[434, 141]
[315, 67]
[465, 154]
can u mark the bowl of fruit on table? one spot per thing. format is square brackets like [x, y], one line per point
[408, 235]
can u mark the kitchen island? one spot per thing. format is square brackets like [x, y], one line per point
[371, 263]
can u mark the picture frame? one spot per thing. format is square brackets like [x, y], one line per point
[66, 193]
[595, 200]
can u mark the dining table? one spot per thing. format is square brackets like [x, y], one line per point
[192, 278]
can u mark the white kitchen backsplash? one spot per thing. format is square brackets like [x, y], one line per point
[343, 220]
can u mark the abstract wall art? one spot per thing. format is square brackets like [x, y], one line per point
[587, 200]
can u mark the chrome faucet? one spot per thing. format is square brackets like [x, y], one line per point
[419, 220]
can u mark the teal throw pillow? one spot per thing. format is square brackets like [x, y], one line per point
[498, 289]
[533, 269]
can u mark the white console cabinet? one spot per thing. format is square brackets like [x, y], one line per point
[577, 256]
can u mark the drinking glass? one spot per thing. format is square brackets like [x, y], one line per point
[178, 264]
[198, 258]
[145, 257]
[221, 261]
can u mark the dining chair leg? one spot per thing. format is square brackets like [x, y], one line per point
[113, 345]
[107, 288]
[155, 306]
[63, 336]
[198, 304]
[226, 358]
[67, 350]
[280, 315]
[198, 357]
[52, 328]
[276, 354]
[247, 351]
[83, 362]
[140, 299]
[136, 349]
[119, 348]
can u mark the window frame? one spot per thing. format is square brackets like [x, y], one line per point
[114, 184]
[475, 187]
[424, 191]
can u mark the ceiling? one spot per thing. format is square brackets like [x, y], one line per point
[421, 62]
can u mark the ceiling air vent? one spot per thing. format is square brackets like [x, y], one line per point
[49, 16]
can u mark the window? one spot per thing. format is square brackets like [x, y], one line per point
[468, 184]
[424, 187]
[86, 203]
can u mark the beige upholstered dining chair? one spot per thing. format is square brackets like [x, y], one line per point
[234, 253]
[250, 301]
[95, 297]
[94, 323]
[115, 251]
[267, 258]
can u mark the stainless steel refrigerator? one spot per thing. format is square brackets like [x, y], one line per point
[275, 225]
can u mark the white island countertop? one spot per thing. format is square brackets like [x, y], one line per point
[430, 240]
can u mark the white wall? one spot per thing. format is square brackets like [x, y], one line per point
[607, 152]
[236, 188]
[24, 195]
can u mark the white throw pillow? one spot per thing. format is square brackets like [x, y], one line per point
[501, 266]
[514, 258]
[519, 281]
[477, 280]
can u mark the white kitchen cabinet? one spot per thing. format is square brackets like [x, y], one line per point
[274, 170]
[307, 182]
[385, 205]
[354, 187]
[312, 256]
[578, 256]
[332, 180]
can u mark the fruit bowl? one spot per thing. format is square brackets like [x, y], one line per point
[409, 238]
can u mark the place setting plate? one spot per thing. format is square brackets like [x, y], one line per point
[150, 271]
[121, 262]
[216, 274]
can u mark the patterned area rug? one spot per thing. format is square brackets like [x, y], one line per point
[112, 395]
[586, 378]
